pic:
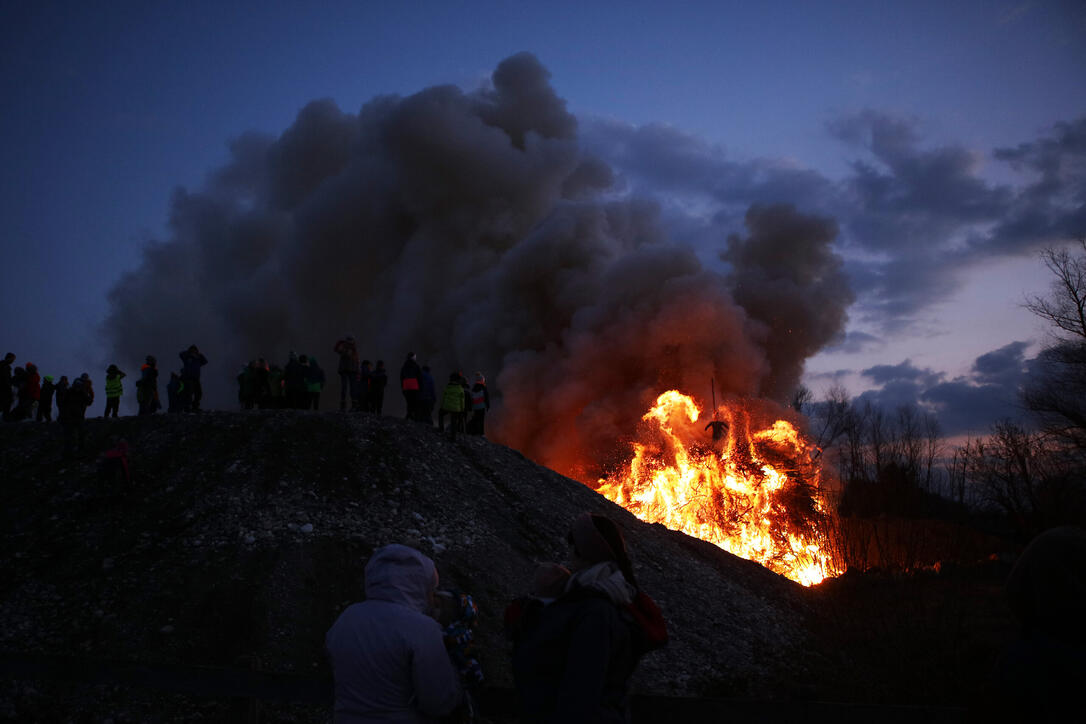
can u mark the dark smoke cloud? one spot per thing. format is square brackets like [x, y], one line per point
[474, 229]
[787, 276]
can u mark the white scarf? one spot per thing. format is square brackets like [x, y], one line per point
[606, 578]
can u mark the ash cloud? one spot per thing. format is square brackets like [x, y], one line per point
[474, 229]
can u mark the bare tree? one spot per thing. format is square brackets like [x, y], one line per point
[1056, 393]
[1065, 307]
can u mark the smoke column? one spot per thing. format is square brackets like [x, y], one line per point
[471, 228]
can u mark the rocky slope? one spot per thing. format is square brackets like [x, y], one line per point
[245, 534]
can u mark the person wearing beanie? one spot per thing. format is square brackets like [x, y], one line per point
[388, 654]
[573, 658]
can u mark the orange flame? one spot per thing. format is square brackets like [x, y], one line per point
[754, 494]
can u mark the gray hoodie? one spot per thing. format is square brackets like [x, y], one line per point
[388, 657]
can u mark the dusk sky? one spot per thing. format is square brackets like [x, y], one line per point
[946, 140]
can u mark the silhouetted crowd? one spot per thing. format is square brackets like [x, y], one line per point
[296, 385]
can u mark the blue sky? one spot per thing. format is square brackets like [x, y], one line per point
[923, 128]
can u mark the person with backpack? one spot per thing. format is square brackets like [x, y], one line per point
[147, 387]
[191, 362]
[388, 655]
[410, 384]
[114, 390]
[573, 657]
[348, 369]
[480, 403]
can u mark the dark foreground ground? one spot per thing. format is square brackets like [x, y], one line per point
[203, 592]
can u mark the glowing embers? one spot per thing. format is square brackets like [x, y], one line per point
[754, 494]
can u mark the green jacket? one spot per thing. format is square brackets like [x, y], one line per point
[452, 399]
[113, 386]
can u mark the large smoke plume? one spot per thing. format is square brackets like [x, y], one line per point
[471, 228]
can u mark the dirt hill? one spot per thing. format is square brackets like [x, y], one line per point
[245, 534]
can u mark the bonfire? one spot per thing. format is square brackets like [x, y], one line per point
[753, 492]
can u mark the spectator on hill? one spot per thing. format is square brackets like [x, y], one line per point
[294, 382]
[72, 410]
[362, 389]
[480, 403]
[573, 658]
[452, 404]
[410, 383]
[348, 369]
[31, 391]
[62, 389]
[147, 387]
[18, 384]
[427, 397]
[388, 656]
[314, 383]
[114, 390]
[275, 388]
[378, 381]
[191, 362]
[247, 386]
[261, 386]
[45, 404]
[6, 398]
[174, 389]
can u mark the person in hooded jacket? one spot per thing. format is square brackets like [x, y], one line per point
[572, 658]
[388, 656]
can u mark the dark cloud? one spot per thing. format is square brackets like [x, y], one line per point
[964, 405]
[1052, 209]
[474, 229]
[914, 218]
[903, 372]
[922, 216]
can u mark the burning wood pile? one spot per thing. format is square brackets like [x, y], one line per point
[754, 491]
